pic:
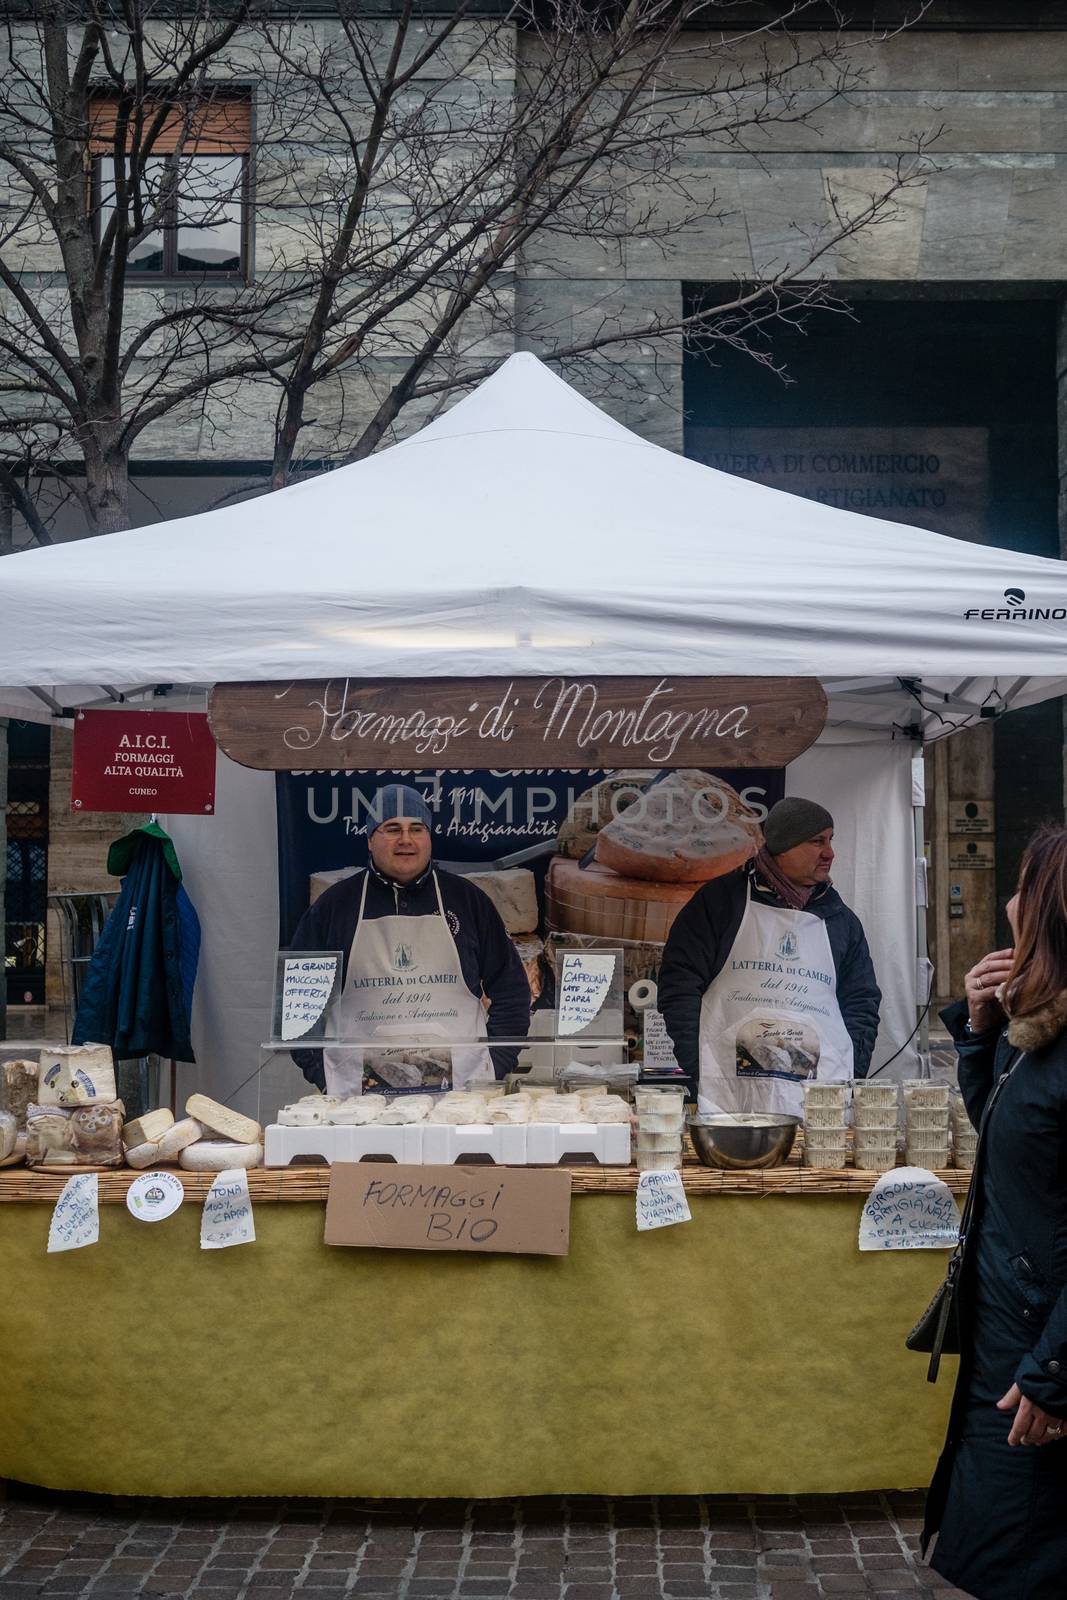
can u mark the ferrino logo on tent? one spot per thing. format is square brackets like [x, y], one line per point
[1016, 610]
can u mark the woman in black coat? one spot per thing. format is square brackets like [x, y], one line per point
[999, 1495]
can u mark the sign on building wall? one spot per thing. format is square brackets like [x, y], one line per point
[934, 478]
[143, 761]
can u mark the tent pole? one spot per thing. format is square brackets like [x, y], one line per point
[918, 814]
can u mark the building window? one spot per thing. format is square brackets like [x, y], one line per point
[195, 190]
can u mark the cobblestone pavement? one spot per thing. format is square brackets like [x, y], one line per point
[768, 1548]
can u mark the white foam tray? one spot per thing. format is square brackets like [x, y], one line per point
[437, 1144]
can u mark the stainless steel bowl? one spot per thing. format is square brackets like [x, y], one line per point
[742, 1140]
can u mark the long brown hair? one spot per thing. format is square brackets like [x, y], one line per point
[1039, 968]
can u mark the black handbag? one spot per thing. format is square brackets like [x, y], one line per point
[937, 1332]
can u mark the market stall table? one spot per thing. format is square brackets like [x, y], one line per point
[754, 1350]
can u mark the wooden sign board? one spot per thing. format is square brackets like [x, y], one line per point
[970, 816]
[482, 1209]
[517, 722]
[931, 477]
[971, 855]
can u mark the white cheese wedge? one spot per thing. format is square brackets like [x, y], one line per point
[142, 1155]
[514, 893]
[217, 1155]
[147, 1129]
[221, 1120]
[75, 1075]
[178, 1138]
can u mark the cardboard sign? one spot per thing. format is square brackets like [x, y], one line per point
[512, 723]
[483, 1209]
[151, 761]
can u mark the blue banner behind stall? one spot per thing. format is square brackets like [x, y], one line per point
[479, 816]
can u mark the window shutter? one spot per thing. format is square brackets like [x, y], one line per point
[220, 124]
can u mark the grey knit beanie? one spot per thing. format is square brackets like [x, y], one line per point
[793, 821]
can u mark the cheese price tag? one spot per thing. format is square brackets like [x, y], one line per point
[909, 1209]
[227, 1215]
[584, 983]
[76, 1218]
[661, 1201]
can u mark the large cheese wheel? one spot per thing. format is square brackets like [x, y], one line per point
[219, 1155]
[686, 829]
[599, 901]
[221, 1120]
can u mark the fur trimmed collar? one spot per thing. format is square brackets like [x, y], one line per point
[1040, 1027]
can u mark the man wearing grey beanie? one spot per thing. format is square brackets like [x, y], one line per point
[766, 979]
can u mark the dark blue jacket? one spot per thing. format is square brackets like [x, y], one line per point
[138, 989]
[1000, 1510]
[489, 961]
[700, 941]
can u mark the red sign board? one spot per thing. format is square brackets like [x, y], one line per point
[143, 761]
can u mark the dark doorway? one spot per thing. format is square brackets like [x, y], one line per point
[978, 370]
[26, 895]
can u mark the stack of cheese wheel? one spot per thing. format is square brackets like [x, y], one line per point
[209, 1138]
[654, 845]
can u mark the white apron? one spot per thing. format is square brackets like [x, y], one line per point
[770, 1019]
[405, 983]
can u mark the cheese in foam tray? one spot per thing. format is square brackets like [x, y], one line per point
[222, 1120]
[685, 829]
[75, 1075]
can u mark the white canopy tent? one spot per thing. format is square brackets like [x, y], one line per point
[526, 532]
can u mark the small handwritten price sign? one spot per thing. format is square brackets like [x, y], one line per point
[306, 983]
[909, 1209]
[590, 993]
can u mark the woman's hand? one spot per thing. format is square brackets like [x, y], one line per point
[981, 985]
[1031, 1425]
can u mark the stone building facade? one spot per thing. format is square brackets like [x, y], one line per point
[955, 349]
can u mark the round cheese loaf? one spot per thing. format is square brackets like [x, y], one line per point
[142, 1156]
[218, 1155]
[596, 807]
[178, 1138]
[686, 829]
[605, 903]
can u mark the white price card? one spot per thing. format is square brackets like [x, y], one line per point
[307, 984]
[227, 1215]
[661, 1201]
[659, 1047]
[584, 983]
[909, 1209]
[154, 1195]
[76, 1218]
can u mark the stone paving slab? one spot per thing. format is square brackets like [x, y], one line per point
[720, 1548]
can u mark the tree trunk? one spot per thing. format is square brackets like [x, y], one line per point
[3, 877]
[107, 488]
